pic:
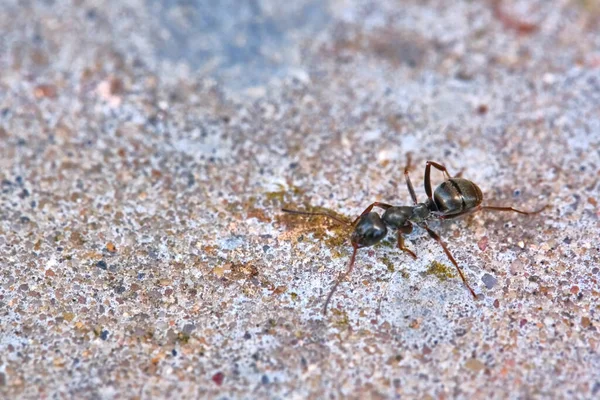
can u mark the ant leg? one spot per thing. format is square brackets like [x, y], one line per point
[438, 239]
[341, 277]
[405, 230]
[385, 206]
[311, 213]
[493, 208]
[402, 247]
[409, 184]
[460, 214]
[437, 166]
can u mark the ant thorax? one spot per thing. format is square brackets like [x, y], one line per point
[420, 213]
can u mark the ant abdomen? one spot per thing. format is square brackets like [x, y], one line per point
[457, 195]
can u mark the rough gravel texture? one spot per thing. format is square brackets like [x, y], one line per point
[146, 148]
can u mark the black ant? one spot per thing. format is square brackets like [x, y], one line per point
[453, 198]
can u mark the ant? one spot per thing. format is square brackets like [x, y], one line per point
[453, 198]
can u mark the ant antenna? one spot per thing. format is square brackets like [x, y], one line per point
[494, 208]
[316, 213]
[341, 278]
[348, 271]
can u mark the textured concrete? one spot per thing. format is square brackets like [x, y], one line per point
[146, 149]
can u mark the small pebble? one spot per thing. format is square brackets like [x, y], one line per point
[522, 323]
[188, 328]
[102, 265]
[585, 322]
[218, 378]
[482, 244]
[474, 365]
[575, 289]
[45, 90]
[489, 281]
[104, 335]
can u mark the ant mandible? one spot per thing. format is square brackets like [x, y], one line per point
[453, 198]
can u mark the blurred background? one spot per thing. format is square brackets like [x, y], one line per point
[147, 147]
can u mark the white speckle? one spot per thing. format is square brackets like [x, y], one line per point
[275, 184]
[256, 92]
[104, 91]
[269, 111]
[409, 143]
[448, 107]
[301, 75]
[52, 262]
[390, 153]
[549, 79]
[372, 135]
[231, 243]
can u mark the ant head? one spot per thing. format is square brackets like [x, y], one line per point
[369, 230]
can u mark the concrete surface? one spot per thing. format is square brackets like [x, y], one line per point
[147, 147]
